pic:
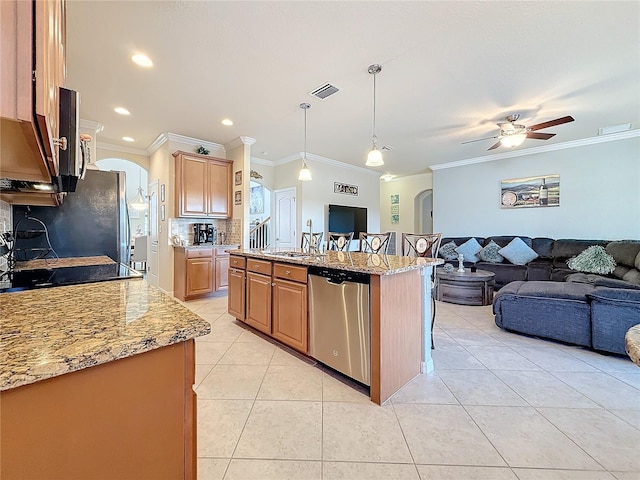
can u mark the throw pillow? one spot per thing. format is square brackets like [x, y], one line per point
[448, 251]
[469, 249]
[489, 253]
[518, 252]
[593, 260]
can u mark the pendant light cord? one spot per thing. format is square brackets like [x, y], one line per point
[373, 138]
[305, 136]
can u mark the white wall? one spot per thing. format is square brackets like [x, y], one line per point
[599, 195]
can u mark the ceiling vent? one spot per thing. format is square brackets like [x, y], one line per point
[614, 129]
[324, 91]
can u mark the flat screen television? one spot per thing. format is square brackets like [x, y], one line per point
[344, 219]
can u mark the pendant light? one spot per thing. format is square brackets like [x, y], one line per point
[139, 203]
[305, 173]
[374, 158]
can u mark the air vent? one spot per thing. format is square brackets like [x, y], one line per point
[324, 91]
[614, 129]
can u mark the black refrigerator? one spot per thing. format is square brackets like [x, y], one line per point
[93, 220]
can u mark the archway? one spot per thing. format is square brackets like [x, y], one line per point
[423, 212]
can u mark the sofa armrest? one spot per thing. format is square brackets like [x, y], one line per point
[628, 296]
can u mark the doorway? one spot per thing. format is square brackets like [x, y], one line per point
[423, 212]
[285, 218]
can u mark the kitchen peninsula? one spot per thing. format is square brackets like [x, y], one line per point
[268, 291]
[96, 382]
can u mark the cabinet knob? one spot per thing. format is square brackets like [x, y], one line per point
[273, 284]
[60, 142]
[287, 272]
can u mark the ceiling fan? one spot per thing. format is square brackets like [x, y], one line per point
[513, 134]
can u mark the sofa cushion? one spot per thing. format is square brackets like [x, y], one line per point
[489, 253]
[505, 272]
[613, 312]
[624, 252]
[469, 250]
[613, 295]
[637, 262]
[539, 269]
[518, 252]
[593, 259]
[543, 247]
[614, 283]
[564, 249]
[448, 251]
[620, 270]
[632, 276]
[564, 290]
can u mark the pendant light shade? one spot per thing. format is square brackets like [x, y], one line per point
[374, 158]
[305, 173]
[140, 202]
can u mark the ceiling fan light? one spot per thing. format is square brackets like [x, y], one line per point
[374, 158]
[305, 173]
[513, 140]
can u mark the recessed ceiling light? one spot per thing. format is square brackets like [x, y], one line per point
[228, 122]
[142, 60]
[128, 139]
[122, 111]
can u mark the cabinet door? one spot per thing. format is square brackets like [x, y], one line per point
[222, 271]
[236, 298]
[290, 314]
[193, 190]
[199, 276]
[219, 189]
[259, 302]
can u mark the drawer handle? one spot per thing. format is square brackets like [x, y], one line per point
[287, 272]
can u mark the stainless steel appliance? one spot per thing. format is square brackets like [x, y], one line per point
[339, 322]
[204, 233]
[93, 220]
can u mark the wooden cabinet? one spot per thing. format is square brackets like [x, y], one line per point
[199, 271]
[290, 321]
[222, 270]
[33, 33]
[203, 186]
[236, 295]
[258, 313]
[199, 276]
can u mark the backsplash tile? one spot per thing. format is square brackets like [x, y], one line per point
[184, 227]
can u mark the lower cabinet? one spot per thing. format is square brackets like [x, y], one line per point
[289, 321]
[259, 302]
[199, 276]
[222, 271]
[199, 271]
[236, 296]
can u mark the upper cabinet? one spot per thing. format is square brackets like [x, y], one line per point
[203, 185]
[33, 33]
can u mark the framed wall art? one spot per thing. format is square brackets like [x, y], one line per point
[542, 191]
[238, 177]
[238, 198]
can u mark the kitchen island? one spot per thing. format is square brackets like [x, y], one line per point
[96, 382]
[268, 291]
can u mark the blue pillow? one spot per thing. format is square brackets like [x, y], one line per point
[489, 253]
[469, 249]
[448, 251]
[518, 252]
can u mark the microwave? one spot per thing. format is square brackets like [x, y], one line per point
[74, 159]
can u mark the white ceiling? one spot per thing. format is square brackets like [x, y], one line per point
[451, 70]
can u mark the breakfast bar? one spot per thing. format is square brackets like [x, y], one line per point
[96, 382]
[273, 291]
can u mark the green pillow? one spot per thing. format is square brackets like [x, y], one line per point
[594, 259]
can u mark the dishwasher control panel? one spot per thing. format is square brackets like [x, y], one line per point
[339, 276]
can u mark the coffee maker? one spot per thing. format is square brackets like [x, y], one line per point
[212, 233]
[199, 233]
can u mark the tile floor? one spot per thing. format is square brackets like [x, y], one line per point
[499, 406]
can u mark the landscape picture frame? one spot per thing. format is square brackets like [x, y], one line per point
[530, 192]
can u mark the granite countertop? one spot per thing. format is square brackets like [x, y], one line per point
[48, 263]
[632, 343]
[208, 245]
[370, 263]
[49, 332]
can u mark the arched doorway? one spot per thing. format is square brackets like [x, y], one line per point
[423, 212]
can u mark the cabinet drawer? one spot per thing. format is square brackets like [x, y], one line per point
[290, 272]
[259, 266]
[199, 252]
[237, 262]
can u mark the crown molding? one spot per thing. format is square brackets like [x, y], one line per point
[238, 142]
[118, 148]
[95, 127]
[262, 161]
[542, 149]
[174, 137]
[326, 161]
[157, 143]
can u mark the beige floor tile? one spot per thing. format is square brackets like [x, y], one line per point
[242, 469]
[516, 340]
[212, 468]
[441, 339]
[468, 337]
[546, 474]
[555, 360]
[632, 379]
[342, 390]
[501, 358]
[368, 471]
[233, 382]
[455, 322]
[626, 475]
[606, 363]
[209, 317]
[454, 357]
[446, 435]
[602, 388]
[446, 472]
[525, 438]
[210, 353]
[283, 356]
[482, 387]
[427, 388]
[226, 319]
[250, 336]
[284, 382]
[611, 441]
[223, 333]
[220, 423]
[283, 430]
[632, 417]
[362, 433]
[541, 389]
[202, 370]
[249, 354]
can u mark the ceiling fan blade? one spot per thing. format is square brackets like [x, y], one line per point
[495, 145]
[551, 123]
[478, 139]
[540, 136]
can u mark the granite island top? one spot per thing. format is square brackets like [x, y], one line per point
[49, 332]
[370, 263]
[48, 263]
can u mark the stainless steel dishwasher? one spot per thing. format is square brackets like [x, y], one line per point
[339, 323]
